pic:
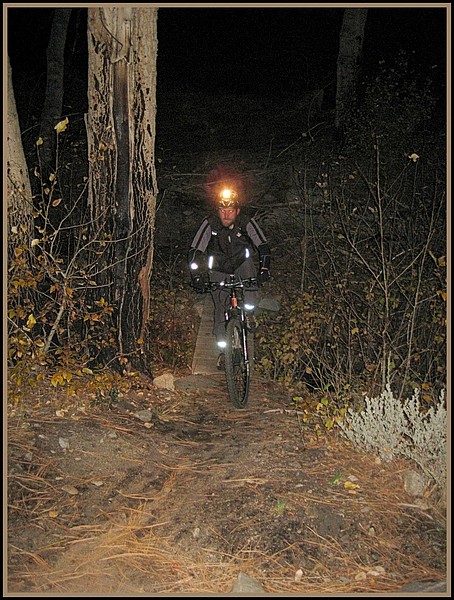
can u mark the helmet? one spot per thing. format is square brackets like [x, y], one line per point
[228, 198]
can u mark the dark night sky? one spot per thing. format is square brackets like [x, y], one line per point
[265, 49]
[261, 50]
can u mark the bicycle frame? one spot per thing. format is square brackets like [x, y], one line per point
[238, 359]
[236, 309]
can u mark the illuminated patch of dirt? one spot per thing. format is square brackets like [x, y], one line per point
[100, 500]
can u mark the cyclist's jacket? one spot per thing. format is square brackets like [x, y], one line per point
[219, 248]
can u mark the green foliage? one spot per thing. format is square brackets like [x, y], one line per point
[285, 352]
[321, 412]
[302, 348]
[336, 479]
[107, 399]
[280, 506]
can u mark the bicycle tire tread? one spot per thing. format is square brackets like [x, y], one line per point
[239, 398]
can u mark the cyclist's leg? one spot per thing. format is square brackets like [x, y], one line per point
[220, 301]
[246, 270]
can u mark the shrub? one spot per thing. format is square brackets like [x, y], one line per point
[172, 323]
[368, 243]
[392, 428]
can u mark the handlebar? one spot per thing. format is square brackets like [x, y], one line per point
[233, 281]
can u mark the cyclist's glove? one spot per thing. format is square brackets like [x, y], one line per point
[264, 275]
[199, 282]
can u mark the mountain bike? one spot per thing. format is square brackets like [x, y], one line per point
[239, 352]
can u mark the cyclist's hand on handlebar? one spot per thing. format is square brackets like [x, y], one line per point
[200, 282]
[264, 275]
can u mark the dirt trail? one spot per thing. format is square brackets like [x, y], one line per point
[178, 492]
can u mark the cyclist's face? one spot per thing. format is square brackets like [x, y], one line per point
[228, 215]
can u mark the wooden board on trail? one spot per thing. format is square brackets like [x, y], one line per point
[206, 353]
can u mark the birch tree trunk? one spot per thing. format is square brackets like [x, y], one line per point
[122, 45]
[349, 63]
[19, 195]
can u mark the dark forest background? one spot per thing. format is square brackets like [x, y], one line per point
[357, 226]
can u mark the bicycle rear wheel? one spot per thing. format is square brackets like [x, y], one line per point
[237, 368]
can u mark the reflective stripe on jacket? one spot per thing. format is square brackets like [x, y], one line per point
[226, 248]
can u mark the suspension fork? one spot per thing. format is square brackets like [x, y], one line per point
[244, 337]
[243, 323]
[236, 310]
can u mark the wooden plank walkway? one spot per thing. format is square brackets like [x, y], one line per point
[205, 353]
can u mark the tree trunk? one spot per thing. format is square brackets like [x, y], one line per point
[53, 102]
[122, 194]
[19, 195]
[349, 63]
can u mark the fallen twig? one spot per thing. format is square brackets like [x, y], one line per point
[287, 411]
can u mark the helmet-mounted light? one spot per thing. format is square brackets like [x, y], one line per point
[228, 198]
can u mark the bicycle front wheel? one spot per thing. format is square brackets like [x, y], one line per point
[237, 367]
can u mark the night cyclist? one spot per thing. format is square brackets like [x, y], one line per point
[226, 243]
